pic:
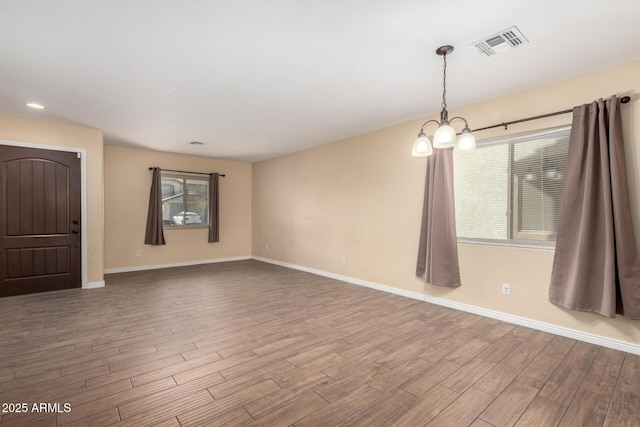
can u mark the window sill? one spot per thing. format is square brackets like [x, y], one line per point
[185, 227]
[515, 244]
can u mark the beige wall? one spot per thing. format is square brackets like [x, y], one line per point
[127, 183]
[48, 134]
[361, 198]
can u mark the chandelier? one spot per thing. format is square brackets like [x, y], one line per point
[445, 136]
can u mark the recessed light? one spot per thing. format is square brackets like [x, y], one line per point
[35, 105]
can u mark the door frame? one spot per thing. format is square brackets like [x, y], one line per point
[83, 196]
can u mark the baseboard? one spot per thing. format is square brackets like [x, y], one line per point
[175, 264]
[94, 285]
[509, 318]
[541, 326]
[348, 279]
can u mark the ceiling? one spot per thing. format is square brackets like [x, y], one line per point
[256, 79]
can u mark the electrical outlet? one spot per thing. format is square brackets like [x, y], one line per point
[506, 289]
[266, 247]
[343, 261]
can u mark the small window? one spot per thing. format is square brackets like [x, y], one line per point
[508, 191]
[185, 201]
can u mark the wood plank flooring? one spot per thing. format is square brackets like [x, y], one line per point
[248, 343]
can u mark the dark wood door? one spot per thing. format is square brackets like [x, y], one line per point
[39, 220]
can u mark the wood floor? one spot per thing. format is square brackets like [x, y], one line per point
[248, 343]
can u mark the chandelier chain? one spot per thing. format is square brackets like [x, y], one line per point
[444, 82]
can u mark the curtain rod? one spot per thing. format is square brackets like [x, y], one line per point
[623, 100]
[194, 173]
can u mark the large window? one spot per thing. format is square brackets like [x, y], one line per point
[185, 201]
[508, 191]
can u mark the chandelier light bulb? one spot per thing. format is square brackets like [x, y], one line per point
[422, 146]
[466, 141]
[444, 137]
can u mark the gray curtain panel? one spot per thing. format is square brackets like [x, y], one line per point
[438, 250]
[596, 266]
[214, 211]
[154, 234]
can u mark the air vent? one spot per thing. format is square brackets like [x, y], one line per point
[500, 42]
[196, 143]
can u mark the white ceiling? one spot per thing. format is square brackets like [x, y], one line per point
[255, 79]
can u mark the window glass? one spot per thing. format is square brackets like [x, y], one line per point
[185, 201]
[481, 182]
[509, 191]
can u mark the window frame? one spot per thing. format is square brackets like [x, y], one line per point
[184, 177]
[511, 141]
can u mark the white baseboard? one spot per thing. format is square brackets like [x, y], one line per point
[509, 318]
[541, 326]
[175, 264]
[94, 285]
[348, 279]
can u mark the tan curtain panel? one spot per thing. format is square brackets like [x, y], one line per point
[438, 250]
[214, 211]
[596, 266]
[154, 234]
